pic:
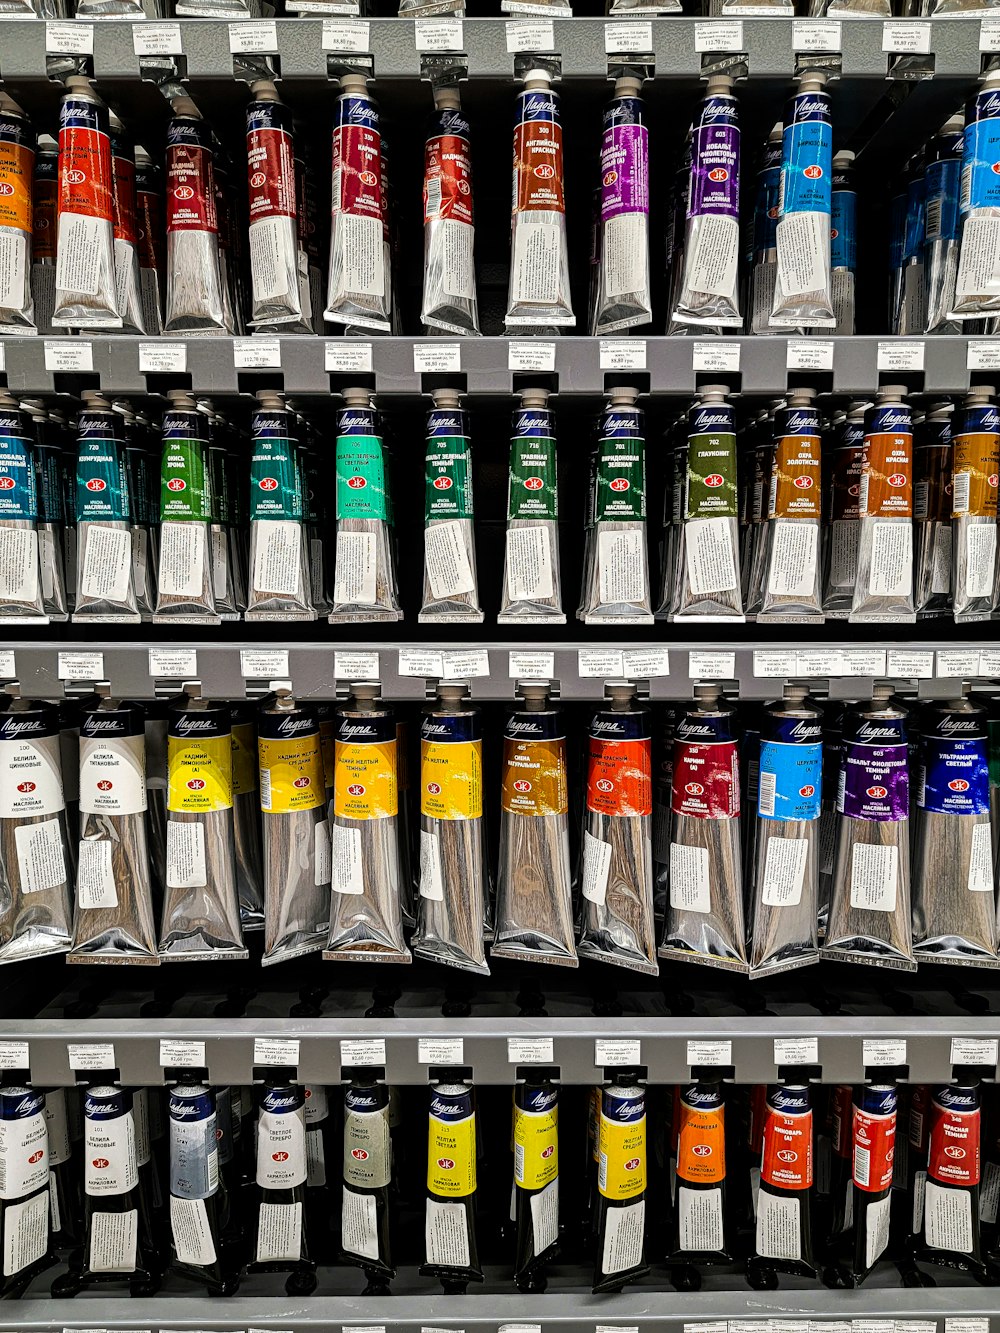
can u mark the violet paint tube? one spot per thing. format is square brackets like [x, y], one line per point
[624, 298]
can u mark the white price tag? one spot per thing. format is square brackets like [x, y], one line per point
[815, 35]
[80, 666]
[705, 1053]
[623, 353]
[356, 666]
[974, 1051]
[3, 357]
[530, 666]
[989, 35]
[774, 662]
[440, 1051]
[263, 664]
[161, 358]
[716, 36]
[256, 353]
[964, 1324]
[709, 354]
[14, 1055]
[872, 1325]
[7, 670]
[645, 663]
[809, 353]
[466, 663]
[877, 1051]
[181, 1054]
[276, 1051]
[363, 1051]
[609, 1053]
[983, 354]
[711, 666]
[529, 1051]
[530, 35]
[531, 355]
[906, 37]
[69, 39]
[909, 664]
[900, 356]
[345, 355]
[708, 1326]
[350, 35]
[421, 662]
[157, 39]
[634, 36]
[863, 662]
[599, 663]
[68, 353]
[989, 662]
[814, 664]
[957, 663]
[796, 1050]
[253, 35]
[437, 34]
[434, 358]
[88, 1055]
[173, 663]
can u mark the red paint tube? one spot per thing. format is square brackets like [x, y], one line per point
[273, 207]
[784, 1203]
[194, 283]
[950, 1211]
[126, 236]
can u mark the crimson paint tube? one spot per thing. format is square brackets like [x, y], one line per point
[149, 239]
[274, 244]
[449, 297]
[195, 302]
[841, 1193]
[126, 236]
[620, 1215]
[785, 1199]
[951, 1195]
[873, 1144]
[44, 217]
[700, 1228]
[24, 1188]
[536, 1179]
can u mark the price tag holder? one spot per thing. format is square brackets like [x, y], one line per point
[157, 39]
[531, 355]
[356, 666]
[173, 663]
[263, 664]
[709, 1053]
[346, 356]
[466, 664]
[350, 35]
[879, 1052]
[363, 1051]
[623, 353]
[599, 664]
[609, 1053]
[625, 37]
[983, 354]
[718, 36]
[69, 39]
[181, 1054]
[14, 1055]
[796, 1051]
[162, 358]
[86, 1055]
[253, 35]
[711, 666]
[905, 37]
[7, 668]
[713, 355]
[440, 1051]
[438, 34]
[773, 663]
[434, 358]
[80, 666]
[957, 663]
[816, 35]
[68, 354]
[645, 663]
[974, 1051]
[909, 664]
[529, 1051]
[900, 355]
[530, 35]
[421, 662]
[809, 353]
[989, 35]
[256, 353]
[530, 666]
[276, 1051]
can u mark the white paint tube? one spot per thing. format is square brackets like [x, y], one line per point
[932, 510]
[843, 241]
[942, 225]
[449, 296]
[25, 1223]
[532, 589]
[150, 237]
[840, 556]
[624, 297]
[451, 591]
[539, 290]
[279, 560]
[802, 295]
[710, 284]
[105, 589]
[763, 256]
[792, 584]
[977, 286]
[44, 229]
[195, 301]
[910, 316]
[123, 211]
[17, 165]
[975, 465]
[22, 601]
[85, 265]
[273, 210]
[884, 587]
[184, 592]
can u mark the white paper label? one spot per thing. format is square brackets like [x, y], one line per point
[7, 669]
[276, 1052]
[958, 663]
[796, 1051]
[69, 39]
[948, 1220]
[356, 666]
[862, 662]
[718, 36]
[40, 859]
[902, 355]
[345, 354]
[186, 867]
[466, 663]
[446, 559]
[623, 1237]
[14, 1055]
[25, 1233]
[634, 36]
[446, 1234]
[431, 874]
[351, 35]
[438, 34]
[773, 663]
[623, 353]
[877, 1052]
[191, 1232]
[778, 1230]
[363, 1051]
[709, 1053]
[91, 1055]
[436, 358]
[255, 353]
[645, 663]
[983, 354]
[874, 877]
[81, 666]
[440, 1051]
[715, 355]
[711, 557]
[909, 665]
[529, 1051]
[711, 666]
[359, 1224]
[699, 1217]
[418, 662]
[256, 664]
[531, 355]
[816, 35]
[610, 1053]
[810, 353]
[974, 1051]
[599, 663]
[989, 35]
[346, 871]
[156, 39]
[173, 663]
[95, 878]
[690, 889]
[251, 36]
[596, 867]
[530, 666]
[908, 38]
[989, 662]
[279, 1233]
[176, 1054]
[69, 353]
[784, 871]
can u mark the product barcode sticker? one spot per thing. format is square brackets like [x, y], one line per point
[157, 39]
[437, 34]
[363, 1051]
[983, 354]
[809, 353]
[530, 666]
[710, 354]
[989, 35]
[353, 35]
[69, 39]
[863, 662]
[440, 1051]
[7, 670]
[911, 664]
[608, 1053]
[773, 662]
[68, 354]
[263, 664]
[645, 663]
[421, 662]
[974, 1051]
[623, 354]
[709, 1053]
[815, 35]
[345, 355]
[251, 35]
[14, 1055]
[906, 37]
[796, 1050]
[278, 1051]
[529, 1051]
[530, 35]
[181, 1054]
[434, 358]
[356, 666]
[161, 358]
[174, 663]
[711, 666]
[256, 353]
[957, 663]
[634, 36]
[883, 1051]
[901, 355]
[599, 663]
[87, 1055]
[466, 663]
[80, 666]
[531, 355]
[716, 36]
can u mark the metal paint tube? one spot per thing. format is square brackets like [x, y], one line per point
[784, 1234]
[451, 592]
[150, 239]
[841, 1112]
[954, 913]
[989, 1191]
[673, 515]
[942, 225]
[184, 592]
[452, 906]
[65, 1167]
[624, 297]
[534, 887]
[710, 285]
[762, 464]
[643, 7]
[310, 231]
[802, 291]
[704, 920]
[310, 281]
[272, 209]
[897, 236]
[843, 241]
[763, 256]
[44, 229]
[46, 450]
[532, 588]
[617, 912]
[281, 1241]
[17, 166]
[749, 762]
[932, 510]
[843, 529]
[316, 517]
[24, 1196]
[709, 583]
[365, 1231]
[833, 715]
[324, 1144]
[113, 920]
[430, 8]
[870, 896]
[366, 923]
[246, 816]
[911, 310]
[620, 1201]
[228, 564]
[156, 792]
[85, 266]
[975, 465]
[977, 285]
[451, 1251]
[364, 570]
[144, 519]
[536, 1179]
[409, 876]
[279, 558]
[201, 915]
[359, 288]
[950, 1232]
[884, 587]
[22, 599]
[791, 586]
[700, 1230]
[873, 1149]
[296, 831]
[198, 1202]
[662, 793]
[552, 8]
[786, 878]
[195, 296]
[128, 294]
[449, 294]
[234, 261]
[105, 568]
[539, 290]
[680, 184]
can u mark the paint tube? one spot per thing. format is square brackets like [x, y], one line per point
[184, 593]
[975, 465]
[365, 1231]
[24, 1188]
[532, 588]
[144, 519]
[85, 266]
[840, 1110]
[551, 8]
[620, 1197]
[828, 819]
[942, 226]
[954, 916]
[428, 8]
[272, 209]
[870, 895]
[195, 297]
[364, 568]
[950, 1231]
[366, 922]
[534, 886]
[451, 590]
[536, 1179]
[539, 290]
[643, 7]
[246, 816]
[198, 1203]
[234, 260]
[281, 1242]
[700, 1230]
[310, 224]
[105, 568]
[989, 1191]
[617, 911]
[359, 291]
[911, 309]
[884, 587]
[128, 295]
[783, 929]
[843, 241]
[791, 584]
[279, 557]
[44, 229]
[763, 243]
[156, 791]
[323, 1145]
[201, 916]
[802, 294]
[749, 765]
[624, 297]
[710, 286]
[663, 763]
[17, 165]
[22, 599]
[149, 227]
[449, 295]
[673, 515]
[977, 284]
[761, 465]
[114, 920]
[65, 1160]
[873, 1147]
[314, 513]
[453, 866]
[704, 920]
[932, 510]
[409, 876]
[843, 526]
[784, 1229]
[676, 220]
[228, 564]
[451, 1251]
[709, 587]
[296, 831]
[616, 583]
